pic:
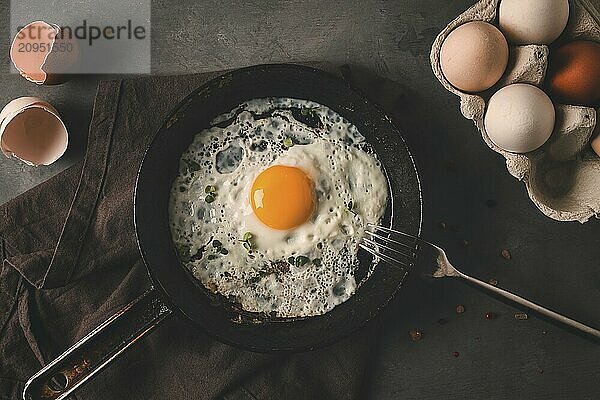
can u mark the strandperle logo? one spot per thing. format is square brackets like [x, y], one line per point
[84, 31]
[93, 37]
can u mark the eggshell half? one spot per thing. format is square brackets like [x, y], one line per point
[43, 54]
[31, 130]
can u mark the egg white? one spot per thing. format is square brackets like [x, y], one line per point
[351, 190]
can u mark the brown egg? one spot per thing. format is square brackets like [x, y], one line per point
[474, 56]
[574, 73]
[596, 145]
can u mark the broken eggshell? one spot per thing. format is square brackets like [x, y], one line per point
[44, 54]
[31, 130]
[562, 177]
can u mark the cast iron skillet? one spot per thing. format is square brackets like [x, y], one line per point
[175, 291]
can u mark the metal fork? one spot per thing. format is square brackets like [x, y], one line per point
[402, 250]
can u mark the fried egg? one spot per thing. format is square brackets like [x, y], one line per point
[271, 203]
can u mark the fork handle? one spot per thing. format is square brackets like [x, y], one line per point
[531, 305]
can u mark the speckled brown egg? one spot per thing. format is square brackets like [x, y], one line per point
[574, 73]
[474, 56]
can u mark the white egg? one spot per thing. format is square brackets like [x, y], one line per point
[533, 21]
[305, 270]
[519, 118]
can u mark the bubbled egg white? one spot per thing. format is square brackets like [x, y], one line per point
[262, 273]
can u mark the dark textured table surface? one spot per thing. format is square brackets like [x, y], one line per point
[466, 187]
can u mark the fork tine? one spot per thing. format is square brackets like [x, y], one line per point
[388, 230]
[385, 239]
[384, 257]
[412, 255]
[391, 245]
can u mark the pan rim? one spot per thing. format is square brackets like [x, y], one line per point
[401, 143]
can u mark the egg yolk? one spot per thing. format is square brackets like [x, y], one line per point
[283, 197]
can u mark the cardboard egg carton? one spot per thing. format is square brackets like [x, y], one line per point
[563, 176]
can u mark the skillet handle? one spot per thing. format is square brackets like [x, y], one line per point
[97, 349]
